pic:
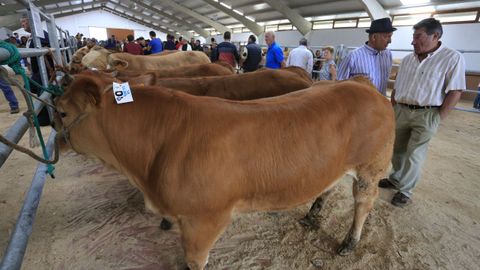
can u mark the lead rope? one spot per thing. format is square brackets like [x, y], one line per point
[14, 63]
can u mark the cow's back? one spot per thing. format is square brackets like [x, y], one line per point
[246, 86]
[154, 62]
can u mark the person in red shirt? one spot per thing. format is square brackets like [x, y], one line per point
[132, 47]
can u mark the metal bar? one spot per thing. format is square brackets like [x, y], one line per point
[18, 129]
[37, 43]
[62, 39]
[70, 45]
[23, 228]
[53, 38]
[27, 52]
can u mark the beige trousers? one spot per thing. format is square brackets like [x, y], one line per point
[414, 129]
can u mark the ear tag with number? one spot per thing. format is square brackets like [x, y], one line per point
[122, 93]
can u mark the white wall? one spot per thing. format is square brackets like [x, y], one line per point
[79, 23]
[457, 36]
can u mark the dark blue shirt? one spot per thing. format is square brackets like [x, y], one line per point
[156, 45]
[253, 58]
[274, 56]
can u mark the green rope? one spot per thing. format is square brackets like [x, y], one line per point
[14, 63]
[52, 89]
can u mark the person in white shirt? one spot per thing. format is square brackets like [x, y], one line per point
[301, 57]
[428, 85]
[185, 46]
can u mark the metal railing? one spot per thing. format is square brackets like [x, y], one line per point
[63, 47]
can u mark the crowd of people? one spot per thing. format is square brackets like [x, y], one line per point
[142, 46]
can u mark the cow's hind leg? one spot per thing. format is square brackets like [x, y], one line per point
[365, 192]
[310, 219]
[199, 233]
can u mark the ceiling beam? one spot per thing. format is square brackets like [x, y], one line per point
[15, 8]
[161, 13]
[218, 26]
[302, 25]
[374, 9]
[60, 9]
[253, 26]
[65, 14]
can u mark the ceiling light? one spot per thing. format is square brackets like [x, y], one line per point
[225, 5]
[238, 12]
[418, 10]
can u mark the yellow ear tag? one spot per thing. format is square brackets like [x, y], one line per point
[122, 93]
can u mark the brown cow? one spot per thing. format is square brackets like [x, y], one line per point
[199, 159]
[211, 69]
[126, 61]
[246, 86]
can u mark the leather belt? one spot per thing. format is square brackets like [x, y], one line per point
[417, 107]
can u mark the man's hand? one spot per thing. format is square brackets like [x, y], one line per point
[453, 96]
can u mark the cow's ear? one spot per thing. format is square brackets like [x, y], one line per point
[66, 81]
[93, 89]
[146, 79]
[119, 64]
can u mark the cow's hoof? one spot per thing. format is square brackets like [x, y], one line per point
[345, 249]
[165, 224]
[309, 223]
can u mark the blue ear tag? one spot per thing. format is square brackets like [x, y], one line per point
[122, 93]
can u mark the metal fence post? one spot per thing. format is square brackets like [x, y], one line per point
[18, 240]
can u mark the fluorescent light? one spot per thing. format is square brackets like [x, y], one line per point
[418, 10]
[250, 18]
[238, 12]
[225, 5]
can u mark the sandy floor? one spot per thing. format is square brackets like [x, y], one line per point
[91, 218]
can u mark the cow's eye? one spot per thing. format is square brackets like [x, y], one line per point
[62, 114]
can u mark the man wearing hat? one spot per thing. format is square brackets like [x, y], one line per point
[373, 59]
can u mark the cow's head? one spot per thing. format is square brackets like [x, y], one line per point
[97, 58]
[82, 96]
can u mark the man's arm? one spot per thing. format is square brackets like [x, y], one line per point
[310, 64]
[278, 54]
[235, 54]
[453, 96]
[288, 61]
[343, 72]
[333, 72]
[392, 98]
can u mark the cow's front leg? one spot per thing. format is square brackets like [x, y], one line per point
[310, 220]
[364, 192]
[199, 233]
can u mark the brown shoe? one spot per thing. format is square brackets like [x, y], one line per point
[385, 183]
[400, 199]
[14, 110]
